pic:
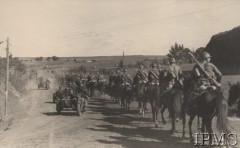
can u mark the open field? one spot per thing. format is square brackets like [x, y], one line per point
[92, 61]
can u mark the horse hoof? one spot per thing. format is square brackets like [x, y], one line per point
[156, 125]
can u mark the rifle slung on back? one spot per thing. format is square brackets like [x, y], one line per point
[152, 72]
[205, 73]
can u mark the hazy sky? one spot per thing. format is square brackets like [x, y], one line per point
[107, 27]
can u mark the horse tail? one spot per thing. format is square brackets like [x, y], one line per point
[222, 113]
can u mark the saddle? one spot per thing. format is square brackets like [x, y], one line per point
[193, 95]
[125, 84]
[102, 80]
[142, 82]
[153, 83]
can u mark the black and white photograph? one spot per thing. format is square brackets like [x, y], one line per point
[119, 73]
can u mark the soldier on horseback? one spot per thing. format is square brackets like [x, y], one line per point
[91, 83]
[118, 77]
[175, 72]
[125, 78]
[90, 77]
[212, 72]
[206, 76]
[173, 82]
[84, 93]
[100, 78]
[152, 91]
[153, 75]
[125, 88]
[101, 83]
[141, 76]
[140, 80]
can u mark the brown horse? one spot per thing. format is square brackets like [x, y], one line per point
[207, 105]
[126, 96]
[101, 86]
[91, 86]
[152, 93]
[139, 92]
[174, 101]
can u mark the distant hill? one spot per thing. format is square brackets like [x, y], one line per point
[225, 48]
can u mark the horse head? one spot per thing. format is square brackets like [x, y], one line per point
[234, 93]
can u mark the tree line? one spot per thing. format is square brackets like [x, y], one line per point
[53, 58]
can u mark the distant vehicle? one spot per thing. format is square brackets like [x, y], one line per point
[55, 94]
[45, 85]
[75, 103]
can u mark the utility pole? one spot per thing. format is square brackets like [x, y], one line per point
[123, 58]
[7, 76]
[28, 72]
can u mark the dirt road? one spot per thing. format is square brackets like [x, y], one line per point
[103, 125]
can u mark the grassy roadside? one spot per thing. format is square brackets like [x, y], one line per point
[13, 106]
[15, 103]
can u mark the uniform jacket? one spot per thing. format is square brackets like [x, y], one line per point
[175, 71]
[151, 76]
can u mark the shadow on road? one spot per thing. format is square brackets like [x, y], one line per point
[64, 113]
[131, 130]
[50, 102]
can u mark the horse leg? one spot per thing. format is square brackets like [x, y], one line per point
[162, 112]
[120, 101]
[183, 120]
[157, 111]
[203, 126]
[190, 127]
[172, 114]
[92, 91]
[144, 102]
[140, 105]
[209, 128]
[123, 103]
[198, 123]
[128, 102]
[154, 112]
